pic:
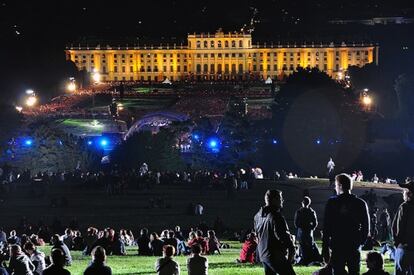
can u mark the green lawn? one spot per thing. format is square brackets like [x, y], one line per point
[218, 264]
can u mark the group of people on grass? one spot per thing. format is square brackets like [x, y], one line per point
[348, 226]
[24, 257]
[346, 229]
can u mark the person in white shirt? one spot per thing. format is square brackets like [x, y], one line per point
[196, 264]
[331, 174]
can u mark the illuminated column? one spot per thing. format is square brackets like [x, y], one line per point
[330, 62]
[279, 62]
[344, 59]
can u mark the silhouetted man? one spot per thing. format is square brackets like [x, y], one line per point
[275, 247]
[306, 222]
[346, 228]
[403, 233]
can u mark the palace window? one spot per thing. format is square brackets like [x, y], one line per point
[206, 55]
[171, 68]
[185, 68]
[123, 56]
[219, 44]
[123, 69]
[205, 44]
[241, 44]
[212, 44]
[226, 44]
[198, 44]
[131, 69]
[212, 55]
[240, 55]
[233, 44]
[178, 68]
[116, 69]
[155, 68]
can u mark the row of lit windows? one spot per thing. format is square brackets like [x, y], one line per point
[149, 55]
[212, 68]
[206, 45]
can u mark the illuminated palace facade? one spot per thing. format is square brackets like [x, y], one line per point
[219, 56]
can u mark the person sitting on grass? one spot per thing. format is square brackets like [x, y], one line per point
[57, 243]
[172, 240]
[248, 251]
[98, 266]
[199, 239]
[166, 265]
[375, 264]
[143, 243]
[58, 262]
[37, 258]
[118, 245]
[155, 245]
[3, 270]
[196, 264]
[212, 242]
[19, 262]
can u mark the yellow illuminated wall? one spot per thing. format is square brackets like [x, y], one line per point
[218, 56]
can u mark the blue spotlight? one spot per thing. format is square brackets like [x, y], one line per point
[196, 137]
[213, 144]
[104, 142]
[90, 142]
[275, 141]
[318, 141]
[28, 142]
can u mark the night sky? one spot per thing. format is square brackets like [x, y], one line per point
[33, 34]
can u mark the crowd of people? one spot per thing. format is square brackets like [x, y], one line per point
[23, 254]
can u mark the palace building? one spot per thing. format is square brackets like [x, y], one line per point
[219, 56]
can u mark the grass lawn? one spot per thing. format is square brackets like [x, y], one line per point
[218, 264]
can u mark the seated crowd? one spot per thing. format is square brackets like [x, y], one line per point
[24, 257]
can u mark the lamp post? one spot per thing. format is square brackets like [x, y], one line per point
[71, 86]
[31, 98]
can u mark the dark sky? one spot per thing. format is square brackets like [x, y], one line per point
[33, 34]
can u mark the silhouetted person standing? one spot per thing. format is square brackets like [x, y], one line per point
[403, 233]
[306, 222]
[346, 228]
[275, 247]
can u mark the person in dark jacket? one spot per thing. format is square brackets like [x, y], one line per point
[375, 264]
[403, 232]
[155, 245]
[346, 228]
[275, 246]
[20, 264]
[98, 266]
[143, 243]
[118, 245]
[57, 243]
[58, 262]
[3, 270]
[306, 222]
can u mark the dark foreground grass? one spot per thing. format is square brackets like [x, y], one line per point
[224, 264]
